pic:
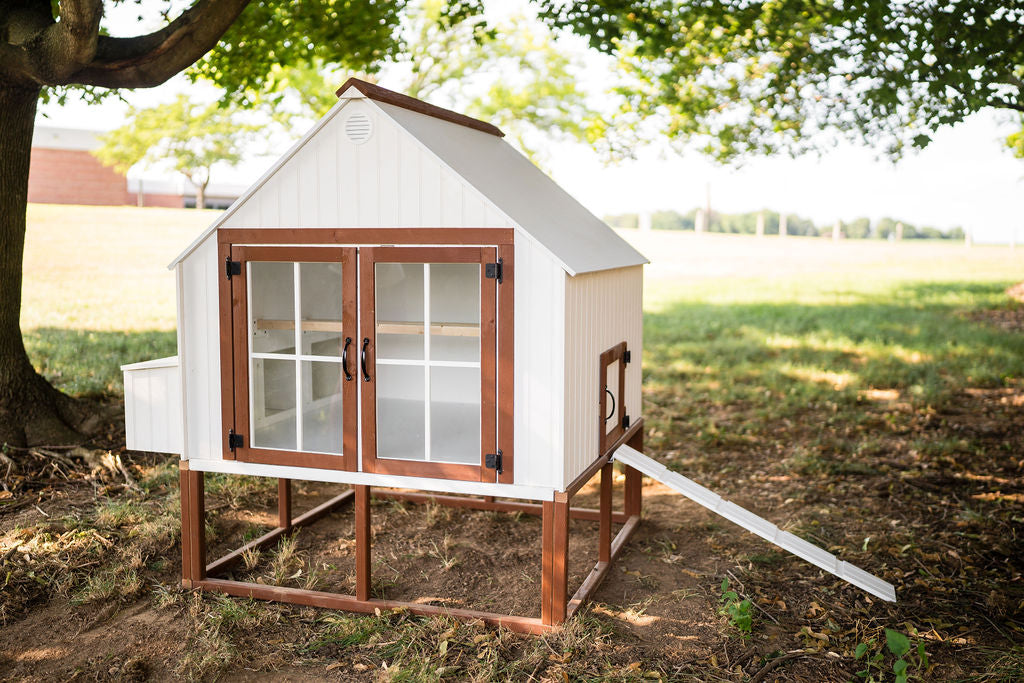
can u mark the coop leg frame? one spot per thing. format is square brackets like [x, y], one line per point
[556, 604]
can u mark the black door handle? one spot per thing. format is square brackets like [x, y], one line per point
[344, 360]
[362, 359]
[612, 397]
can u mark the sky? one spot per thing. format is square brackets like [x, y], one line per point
[964, 178]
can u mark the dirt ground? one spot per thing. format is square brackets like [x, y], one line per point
[943, 525]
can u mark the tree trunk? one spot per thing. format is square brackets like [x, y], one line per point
[31, 411]
[200, 195]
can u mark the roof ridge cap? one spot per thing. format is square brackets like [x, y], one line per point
[380, 94]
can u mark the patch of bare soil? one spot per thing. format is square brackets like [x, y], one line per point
[1016, 292]
[1010, 318]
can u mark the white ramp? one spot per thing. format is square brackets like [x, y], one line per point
[760, 526]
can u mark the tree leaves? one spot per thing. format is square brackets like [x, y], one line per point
[795, 75]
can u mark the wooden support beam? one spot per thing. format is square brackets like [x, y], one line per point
[604, 540]
[193, 526]
[600, 570]
[234, 557]
[352, 603]
[628, 436]
[634, 479]
[559, 560]
[284, 503]
[363, 577]
[488, 503]
[186, 537]
[547, 527]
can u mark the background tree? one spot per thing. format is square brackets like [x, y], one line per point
[47, 47]
[762, 77]
[510, 73]
[191, 137]
[1015, 141]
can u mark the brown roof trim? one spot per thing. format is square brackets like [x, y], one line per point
[375, 92]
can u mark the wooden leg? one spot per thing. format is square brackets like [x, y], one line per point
[559, 560]
[284, 503]
[634, 480]
[186, 537]
[362, 542]
[605, 511]
[193, 526]
[547, 525]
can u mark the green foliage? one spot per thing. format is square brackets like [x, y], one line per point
[740, 612]
[765, 77]
[511, 74]
[909, 661]
[191, 137]
[1015, 141]
[270, 34]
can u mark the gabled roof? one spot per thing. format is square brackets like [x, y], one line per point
[476, 152]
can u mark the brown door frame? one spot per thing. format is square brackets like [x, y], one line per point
[616, 354]
[368, 257]
[233, 291]
[235, 354]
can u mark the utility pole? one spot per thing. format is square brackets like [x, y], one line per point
[707, 205]
[782, 225]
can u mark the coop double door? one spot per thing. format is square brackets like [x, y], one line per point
[390, 348]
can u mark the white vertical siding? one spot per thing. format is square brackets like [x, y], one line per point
[389, 181]
[539, 357]
[152, 406]
[199, 352]
[601, 310]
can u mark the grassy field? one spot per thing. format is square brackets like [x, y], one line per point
[867, 396]
[97, 292]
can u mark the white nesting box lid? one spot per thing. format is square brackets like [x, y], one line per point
[478, 154]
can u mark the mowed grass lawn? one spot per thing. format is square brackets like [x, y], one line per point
[97, 292]
[778, 323]
[798, 315]
[867, 396]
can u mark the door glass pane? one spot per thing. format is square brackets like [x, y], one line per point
[455, 311]
[273, 419]
[320, 294]
[321, 407]
[272, 297]
[611, 383]
[455, 415]
[401, 412]
[399, 310]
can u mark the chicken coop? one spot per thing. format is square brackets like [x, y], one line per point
[402, 302]
[405, 304]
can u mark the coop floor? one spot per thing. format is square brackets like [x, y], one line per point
[433, 554]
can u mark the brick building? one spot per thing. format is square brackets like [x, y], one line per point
[64, 171]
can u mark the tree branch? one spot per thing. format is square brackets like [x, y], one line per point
[42, 51]
[1006, 104]
[149, 60]
[73, 39]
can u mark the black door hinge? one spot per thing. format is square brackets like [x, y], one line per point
[232, 267]
[235, 440]
[627, 356]
[493, 271]
[493, 461]
[625, 421]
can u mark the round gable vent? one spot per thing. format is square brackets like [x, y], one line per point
[358, 128]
